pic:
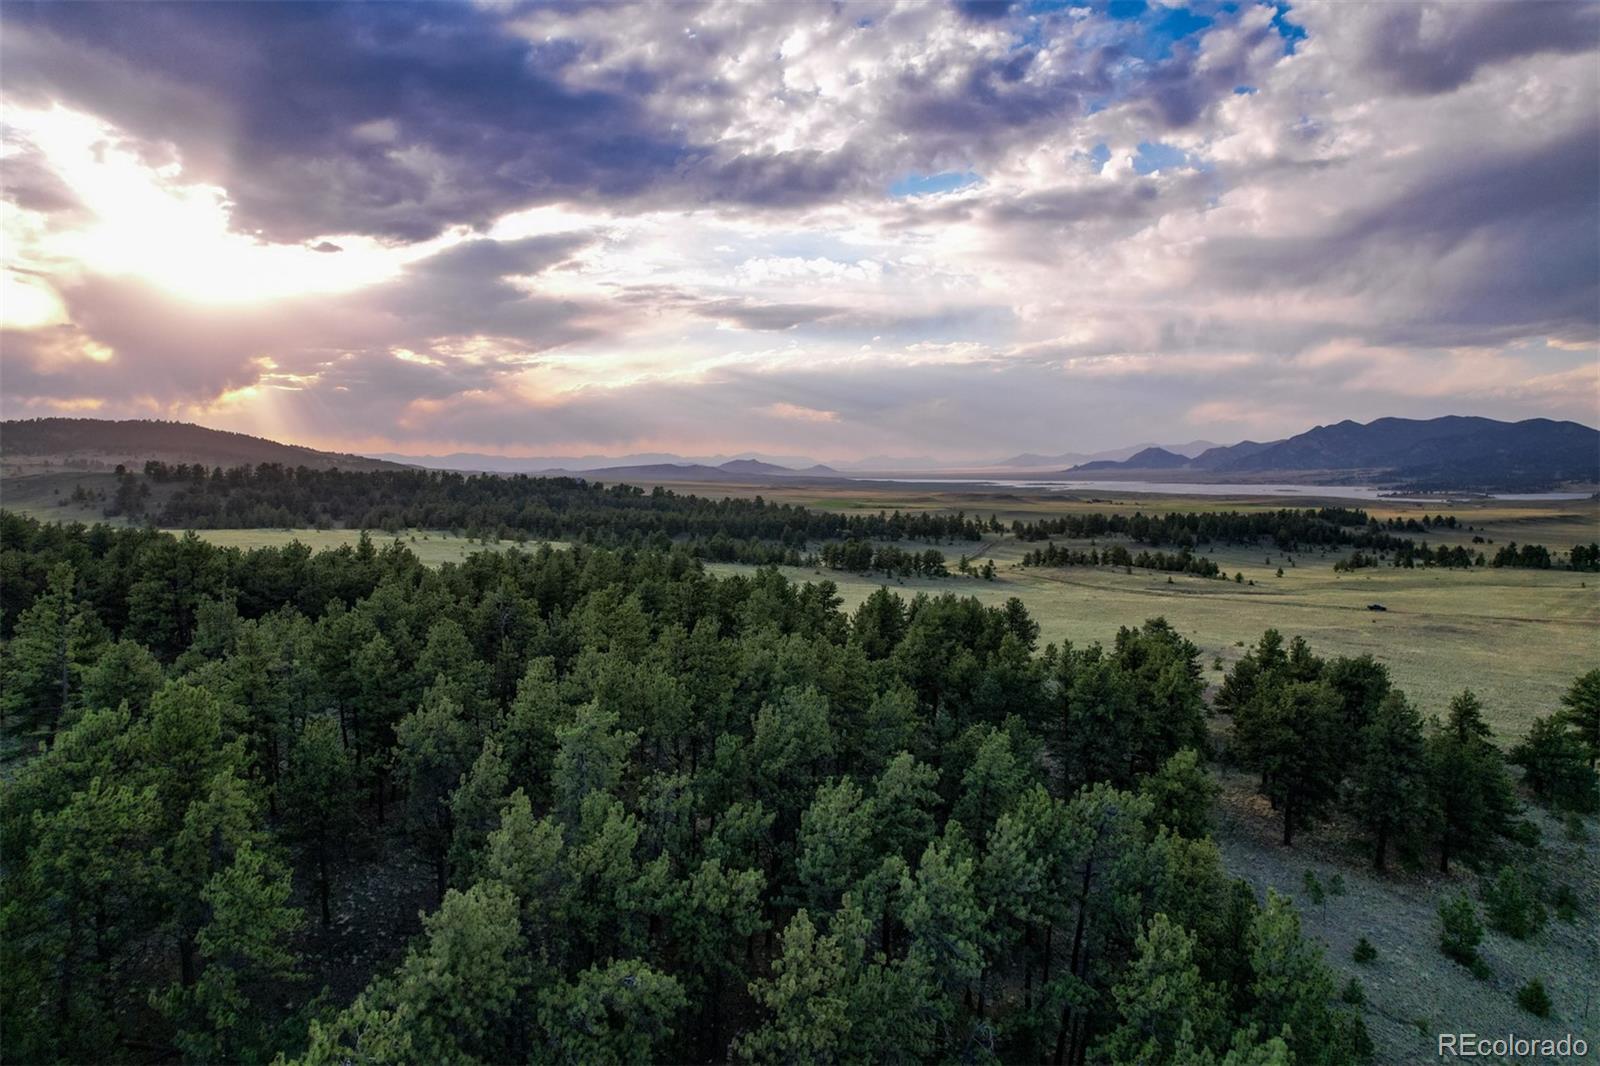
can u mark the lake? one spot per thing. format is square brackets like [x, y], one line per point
[1177, 488]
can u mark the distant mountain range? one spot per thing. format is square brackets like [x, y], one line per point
[735, 471]
[1032, 461]
[1451, 452]
[1454, 452]
[765, 464]
[531, 464]
[95, 443]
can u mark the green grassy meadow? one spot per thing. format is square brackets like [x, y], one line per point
[1517, 637]
[434, 547]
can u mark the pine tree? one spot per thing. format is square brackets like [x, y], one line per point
[1181, 794]
[943, 916]
[713, 915]
[83, 907]
[42, 666]
[834, 844]
[590, 755]
[121, 672]
[1512, 905]
[524, 854]
[791, 750]
[1460, 932]
[1580, 713]
[990, 784]
[1556, 767]
[1389, 793]
[528, 736]
[319, 801]
[805, 1001]
[904, 799]
[475, 810]
[614, 1015]
[457, 997]
[433, 748]
[1468, 782]
[248, 963]
[1292, 990]
[1287, 734]
[1257, 666]
[1161, 999]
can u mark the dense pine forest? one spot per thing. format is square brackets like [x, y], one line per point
[554, 508]
[651, 814]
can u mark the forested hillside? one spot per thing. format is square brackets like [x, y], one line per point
[655, 815]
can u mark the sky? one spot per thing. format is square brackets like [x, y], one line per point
[837, 230]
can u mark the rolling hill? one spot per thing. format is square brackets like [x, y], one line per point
[100, 444]
[1147, 459]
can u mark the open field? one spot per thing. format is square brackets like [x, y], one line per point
[1518, 637]
[434, 547]
[1555, 523]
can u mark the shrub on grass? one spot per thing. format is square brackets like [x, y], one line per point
[1532, 998]
[1364, 953]
[1460, 931]
[1566, 902]
[1353, 994]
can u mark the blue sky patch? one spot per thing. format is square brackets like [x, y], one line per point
[1153, 156]
[915, 184]
[1291, 33]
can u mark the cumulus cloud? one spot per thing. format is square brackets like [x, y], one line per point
[675, 226]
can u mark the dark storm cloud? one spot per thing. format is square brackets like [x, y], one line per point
[782, 179]
[465, 291]
[1417, 51]
[400, 120]
[389, 119]
[1483, 250]
[988, 102]
[1179, 91]
[984, 10]
[1057, 207]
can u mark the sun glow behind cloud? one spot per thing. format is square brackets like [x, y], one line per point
[144, 220]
